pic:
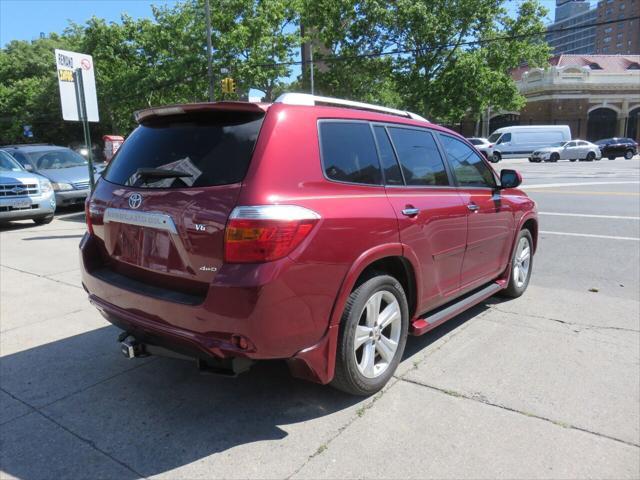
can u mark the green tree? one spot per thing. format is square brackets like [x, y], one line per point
[447, 58]
[146, 62]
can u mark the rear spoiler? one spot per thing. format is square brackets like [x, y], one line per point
[171, 110]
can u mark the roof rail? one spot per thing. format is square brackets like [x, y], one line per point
[311, 100]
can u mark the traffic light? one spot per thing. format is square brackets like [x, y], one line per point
[228, 85]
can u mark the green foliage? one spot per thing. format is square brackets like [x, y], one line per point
[145, 62]
[140, 63]
[440, 73]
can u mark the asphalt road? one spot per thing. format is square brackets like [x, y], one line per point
[545, 386]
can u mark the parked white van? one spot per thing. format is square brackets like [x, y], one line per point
[521, 141]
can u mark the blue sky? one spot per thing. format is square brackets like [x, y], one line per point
[25, 19]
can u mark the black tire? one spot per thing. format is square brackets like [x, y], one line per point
[628, 155]
[513, 290]
[554, 157]
[591, 157]
[43, 220]
[348, 377]
[496, 157]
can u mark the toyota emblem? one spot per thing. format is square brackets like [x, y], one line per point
[135, 200]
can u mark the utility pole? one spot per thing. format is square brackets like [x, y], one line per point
[209, 53]
[81, 104]
[311, 60]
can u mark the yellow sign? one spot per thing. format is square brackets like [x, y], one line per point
[65, 75]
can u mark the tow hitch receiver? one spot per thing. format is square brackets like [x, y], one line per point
[131, 348]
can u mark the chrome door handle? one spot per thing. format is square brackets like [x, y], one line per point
[473, 207]
[411, 212]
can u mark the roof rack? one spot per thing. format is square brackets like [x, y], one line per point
[311, 100]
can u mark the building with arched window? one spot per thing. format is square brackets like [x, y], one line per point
[598, 96]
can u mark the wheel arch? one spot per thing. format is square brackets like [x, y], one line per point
[317, 363]
[531, 224]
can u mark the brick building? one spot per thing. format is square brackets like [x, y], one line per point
[598, 96]
[576, 28]
[622, 37]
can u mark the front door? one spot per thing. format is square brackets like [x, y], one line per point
[570, 151]
[490, 220]
[432, 217]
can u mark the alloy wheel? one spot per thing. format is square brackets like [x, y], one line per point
[377, 334]
[521, 262]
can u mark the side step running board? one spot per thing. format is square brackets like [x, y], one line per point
[429, 321]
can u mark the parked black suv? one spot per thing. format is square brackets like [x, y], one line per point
[617, 147]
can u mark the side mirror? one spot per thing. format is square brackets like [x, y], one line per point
[510, 179]
[28, 167]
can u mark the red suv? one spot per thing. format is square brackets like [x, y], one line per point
[316, 230]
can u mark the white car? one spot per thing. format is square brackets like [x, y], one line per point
[483, 146]
[572, 151]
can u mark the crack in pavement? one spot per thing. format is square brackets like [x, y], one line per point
[86, 441]
[395, 380]
[359, 413]
[485, 401]
[44, 276]
[75, 392]
[565, 322]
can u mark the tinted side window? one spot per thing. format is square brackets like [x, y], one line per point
[349, 152]
[419, 156]
[469, 169]
[392, 174]
[505, 138]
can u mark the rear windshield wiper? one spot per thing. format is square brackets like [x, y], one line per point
[161, 173]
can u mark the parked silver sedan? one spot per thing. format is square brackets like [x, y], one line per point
[24, 195]
[66, 169]
[573, 150]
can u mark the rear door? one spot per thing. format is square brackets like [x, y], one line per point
[164, 200]
[583, 148]
[431, 214]
[489, 216]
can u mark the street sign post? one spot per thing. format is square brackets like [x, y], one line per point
[78, 98]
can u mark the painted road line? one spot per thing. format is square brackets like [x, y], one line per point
[575, 184]
[585, 215]
[607, 237]
[575, 192]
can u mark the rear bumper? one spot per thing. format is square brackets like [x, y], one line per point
[282, 309]
[46, 205]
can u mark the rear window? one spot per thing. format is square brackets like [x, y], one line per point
[201, 150]
[349, 152]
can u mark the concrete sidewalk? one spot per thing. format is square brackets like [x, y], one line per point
[546, 386]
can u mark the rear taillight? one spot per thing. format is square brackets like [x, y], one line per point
[87, 214]
[267, 232]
